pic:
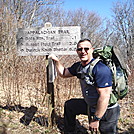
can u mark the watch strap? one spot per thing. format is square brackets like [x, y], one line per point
[96, 118]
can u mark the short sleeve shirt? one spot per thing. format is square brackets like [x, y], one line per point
[102, 77]
[102, 74]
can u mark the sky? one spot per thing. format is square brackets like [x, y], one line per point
[101, 7]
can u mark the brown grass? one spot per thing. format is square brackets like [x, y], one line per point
[23, 83]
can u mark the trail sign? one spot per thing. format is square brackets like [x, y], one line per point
[44, 41]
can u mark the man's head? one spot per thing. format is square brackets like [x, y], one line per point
[84, 51]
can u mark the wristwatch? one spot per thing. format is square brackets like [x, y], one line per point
[95, 118]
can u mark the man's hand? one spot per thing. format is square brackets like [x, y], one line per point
[94, 126]
[62, 71]
[53, 57]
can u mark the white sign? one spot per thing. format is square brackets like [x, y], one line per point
[44, 41]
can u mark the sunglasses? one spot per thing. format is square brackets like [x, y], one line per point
[85, 48]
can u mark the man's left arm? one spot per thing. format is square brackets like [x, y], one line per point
[102, 104]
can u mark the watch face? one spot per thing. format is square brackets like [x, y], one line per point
[96, 118]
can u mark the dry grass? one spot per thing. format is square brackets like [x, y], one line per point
[23, 83]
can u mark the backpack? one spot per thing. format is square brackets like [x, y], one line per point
[111, 56]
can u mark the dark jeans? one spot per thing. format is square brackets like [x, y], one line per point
[73, 107]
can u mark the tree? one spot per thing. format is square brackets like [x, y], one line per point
[16, 14]
[123, 24]
[90, 22]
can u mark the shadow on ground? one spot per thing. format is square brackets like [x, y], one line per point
[29, 115]
[79, 128]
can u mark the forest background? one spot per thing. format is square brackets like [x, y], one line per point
[23, 78]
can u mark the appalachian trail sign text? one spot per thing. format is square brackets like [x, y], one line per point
[44, 41]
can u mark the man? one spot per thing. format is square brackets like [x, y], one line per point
[96, 93]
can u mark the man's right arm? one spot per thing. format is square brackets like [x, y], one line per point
[62, 71]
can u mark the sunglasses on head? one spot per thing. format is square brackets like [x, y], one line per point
[85, 48]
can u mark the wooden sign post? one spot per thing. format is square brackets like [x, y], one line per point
[50, 87]
[50, 92]
[44, 41]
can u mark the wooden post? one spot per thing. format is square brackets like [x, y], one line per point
[50, 92]
[50, 87]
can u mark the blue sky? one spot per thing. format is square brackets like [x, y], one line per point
[101, 7]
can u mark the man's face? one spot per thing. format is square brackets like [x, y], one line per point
[84, 51]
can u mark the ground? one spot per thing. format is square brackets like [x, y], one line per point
[10, 121]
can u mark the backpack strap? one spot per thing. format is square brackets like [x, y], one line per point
[90, 68]
[92, 65]
[112, 66]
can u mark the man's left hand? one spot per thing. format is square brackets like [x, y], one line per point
[94, 126]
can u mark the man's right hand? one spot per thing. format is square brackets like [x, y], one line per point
[53, 57]
[63, 72]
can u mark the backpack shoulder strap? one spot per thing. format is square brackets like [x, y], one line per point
[92, 65]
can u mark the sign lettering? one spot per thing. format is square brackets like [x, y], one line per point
[44, 41]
